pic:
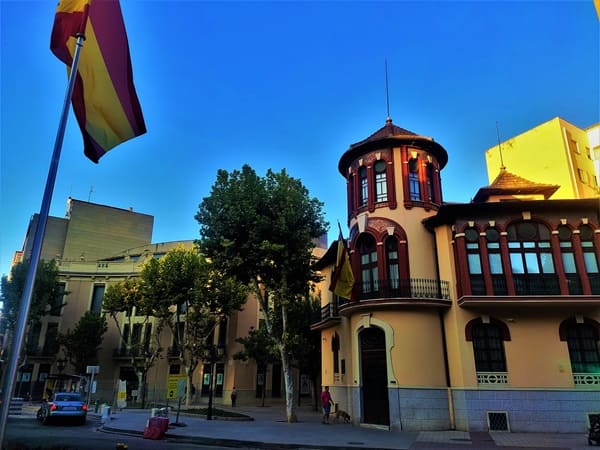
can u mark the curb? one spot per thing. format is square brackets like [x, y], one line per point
[233, 443]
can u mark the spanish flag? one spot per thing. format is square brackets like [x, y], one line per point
[104, 99]
[342, 278]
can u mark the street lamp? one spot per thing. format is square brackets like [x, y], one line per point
[61, 363]
[212, 354]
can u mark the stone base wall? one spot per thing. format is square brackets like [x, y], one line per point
[552, 411]
[419, 409]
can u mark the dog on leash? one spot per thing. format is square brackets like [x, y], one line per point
[343, 415]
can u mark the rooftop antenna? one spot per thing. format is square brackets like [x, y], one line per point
[387, 91]
[502, 167]
[90, 193]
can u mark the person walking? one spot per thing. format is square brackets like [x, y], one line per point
[233, 397]
[326, 401]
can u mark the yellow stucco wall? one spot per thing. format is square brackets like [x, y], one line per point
[555, 152]
[414, 344]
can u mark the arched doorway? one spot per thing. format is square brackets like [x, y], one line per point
[375, 400]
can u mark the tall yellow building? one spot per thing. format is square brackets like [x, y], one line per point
[475, 316]
[555, 152]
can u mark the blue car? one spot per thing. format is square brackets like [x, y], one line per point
[63, 405]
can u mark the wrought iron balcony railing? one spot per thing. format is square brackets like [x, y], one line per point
[536, 284]
[44, 352]
[492, 377]
[594, 282]
[586, 379]
[124, 352]
[330, 310]
[403, 288]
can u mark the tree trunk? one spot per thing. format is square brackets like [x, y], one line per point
[140, 377]
[142, 388]
[188, 388]
[290, 400]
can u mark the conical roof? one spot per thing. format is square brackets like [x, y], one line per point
[391, 135]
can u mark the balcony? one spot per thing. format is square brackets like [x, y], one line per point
[135, 352]
[533, 290]
[594, 282]
[397, 293]
[173, 352]
[584, 379]
[492, 378]
[329, 316]
[46, 352]
[536, 284]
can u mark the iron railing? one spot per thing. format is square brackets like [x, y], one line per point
[536, 284]
[403, 288]
[124, 352]
[594, 282]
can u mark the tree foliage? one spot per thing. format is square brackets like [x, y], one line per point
[262, 232]
[83, 342]
[45, 291]
[192, 298]
[121, 301]
[260, 347]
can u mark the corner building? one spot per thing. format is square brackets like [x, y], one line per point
[477, 316]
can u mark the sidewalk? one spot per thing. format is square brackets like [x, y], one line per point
[270, 430]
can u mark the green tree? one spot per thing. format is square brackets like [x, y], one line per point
[260, 347]
[45, 291]
[121, 301]
[262, 232]
[192, 299]
[83, 342]
[305, 348]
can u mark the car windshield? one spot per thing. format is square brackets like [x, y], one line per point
[67, 398]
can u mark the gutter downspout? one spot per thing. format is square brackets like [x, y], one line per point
[444, 342]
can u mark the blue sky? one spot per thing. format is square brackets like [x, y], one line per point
[289, 85]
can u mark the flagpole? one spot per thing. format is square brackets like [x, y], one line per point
[36, 250]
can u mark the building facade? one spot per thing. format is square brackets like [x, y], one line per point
[95, 246]
[477, 316]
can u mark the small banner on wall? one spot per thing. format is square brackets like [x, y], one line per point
[122, 394]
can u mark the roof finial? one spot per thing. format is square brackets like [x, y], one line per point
[387, 94]
[502, 167]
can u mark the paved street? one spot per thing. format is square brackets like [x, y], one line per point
[269, 430]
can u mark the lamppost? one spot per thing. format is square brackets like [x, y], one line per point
[212, 354]
[61, 363]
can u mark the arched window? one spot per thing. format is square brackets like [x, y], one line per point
[531, 259]
[430, 177]
[351, 188]
[586, 234]
[474, 261]
[335, 349]
[568, 258]
[368, 263]
[393, 266]
[380, 181]
[488, 344]
[414, 184]
[495, 260]
[364, 186]
[582, 340]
